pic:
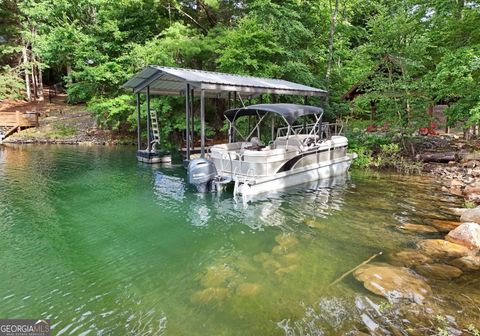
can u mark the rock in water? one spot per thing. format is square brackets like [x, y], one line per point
[418, 228]
[284, 270]
[409, 258]
[442, 249]
[471, 215]
[286, 240]
[468, 263]
[209, 295]
[392, 282]
[457, 211]
[472, 192]
[314, 224]
[467, 234]
[248, 289]
[445, 225]
[439, 271]
[216, 276]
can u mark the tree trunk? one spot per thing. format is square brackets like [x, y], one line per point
[27, 77]
[34, 80]
[69, 71]
[40, 84]
[333, 23]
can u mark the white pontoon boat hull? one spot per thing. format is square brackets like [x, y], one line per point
[280, 181]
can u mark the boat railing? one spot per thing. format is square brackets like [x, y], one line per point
[332, 129]
[325, 130]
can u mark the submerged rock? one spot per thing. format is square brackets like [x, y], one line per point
[394, 283]
[287, 269]
[457, 211]
[248, 289]
[439, 248]
[471, 215]
[209, 295]
[409, 258]
[418, 228]
[261, 257]
[285, 243]
[445, 225]
[439, 271]
[314, 224]
[291, 258]
[280, 249]
[271, 265]
[467, 234]
[286, 240]
[216, 276]
[468, 263]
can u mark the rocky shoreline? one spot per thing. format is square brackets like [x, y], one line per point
[404, 278]
[448, 251]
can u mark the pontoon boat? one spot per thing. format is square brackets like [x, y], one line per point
[287, 145]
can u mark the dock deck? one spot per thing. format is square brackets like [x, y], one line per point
[13, 121]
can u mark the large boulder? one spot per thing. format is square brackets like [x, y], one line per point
[472, 192]
[439, 271]
[471, 215]
[418, 228]
[468, 263]
[467, 234]
[445, 225]
[409, 258]
[394, 283]
[443, 249]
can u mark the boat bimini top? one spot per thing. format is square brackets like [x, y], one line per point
[289, 112]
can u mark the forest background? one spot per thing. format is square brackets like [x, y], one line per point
[428, 52]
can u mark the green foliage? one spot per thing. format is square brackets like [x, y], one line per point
[11, 85]
[456, 80]
[406, 54]
[112, 112]
[380, 151]
[473, 330]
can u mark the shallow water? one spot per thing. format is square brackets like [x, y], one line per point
[100, 244]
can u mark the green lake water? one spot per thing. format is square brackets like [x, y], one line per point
[102, 245]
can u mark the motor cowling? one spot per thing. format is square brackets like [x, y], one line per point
[201, 174]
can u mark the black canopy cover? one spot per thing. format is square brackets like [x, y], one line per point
[290, 112]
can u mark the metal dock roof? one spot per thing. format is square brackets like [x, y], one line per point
[172, 81]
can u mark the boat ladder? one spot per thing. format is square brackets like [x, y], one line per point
[155, 129]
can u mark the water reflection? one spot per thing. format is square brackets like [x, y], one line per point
[169, 188]
[280, 209]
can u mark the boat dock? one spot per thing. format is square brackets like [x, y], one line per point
[15, 121]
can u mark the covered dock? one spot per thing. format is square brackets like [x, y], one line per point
[169, 81]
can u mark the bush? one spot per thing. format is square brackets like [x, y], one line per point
[11, 85]
[380, 151]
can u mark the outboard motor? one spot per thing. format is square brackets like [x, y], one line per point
[201, 173]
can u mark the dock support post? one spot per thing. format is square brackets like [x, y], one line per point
[273, 126]
[192, 112]
[149, 145]
[202, 123]
[187, 124]
[139, 131]
[305, 102]
[229, 105]
[234, 133]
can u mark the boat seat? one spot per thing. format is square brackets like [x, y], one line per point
[293, 140]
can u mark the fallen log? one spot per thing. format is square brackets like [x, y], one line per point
[438, 157]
